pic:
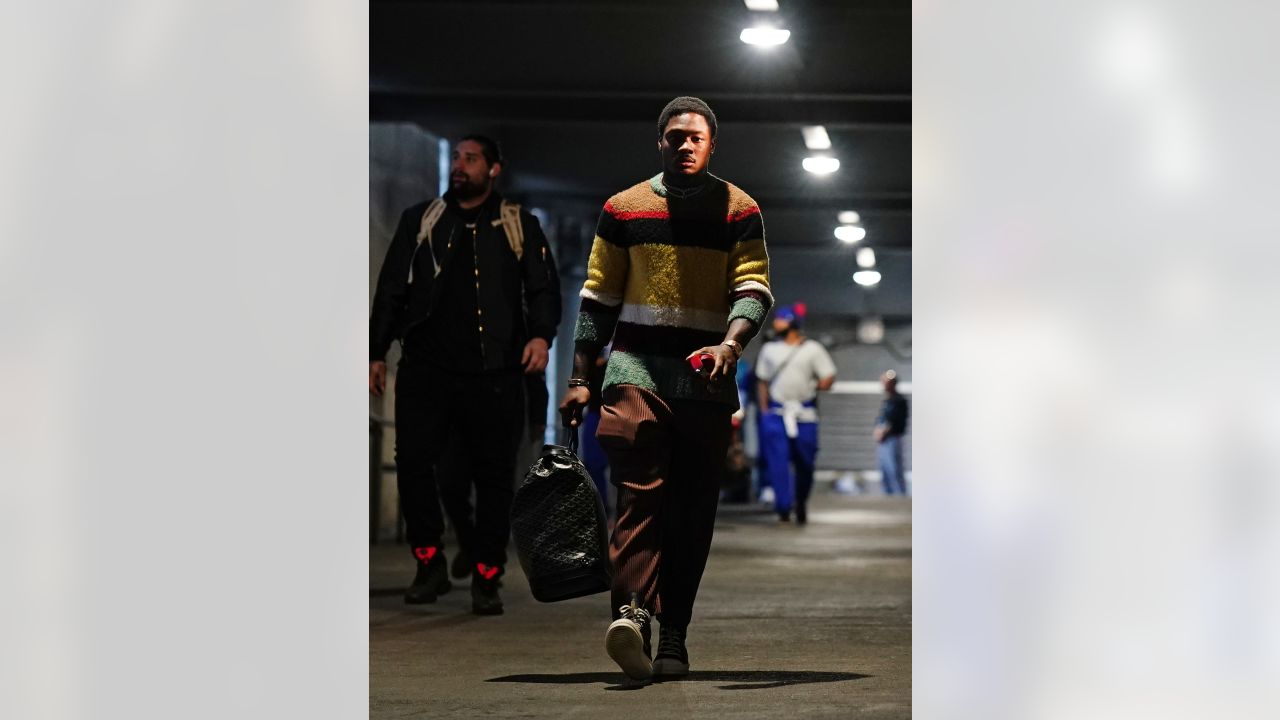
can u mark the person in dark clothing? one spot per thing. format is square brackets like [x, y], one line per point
[891, 425]
[470, 290]
[593, 455]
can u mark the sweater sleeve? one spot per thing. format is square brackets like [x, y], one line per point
[605, 284]
[748, 268]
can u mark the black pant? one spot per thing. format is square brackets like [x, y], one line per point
[480, 416]
[666, 458]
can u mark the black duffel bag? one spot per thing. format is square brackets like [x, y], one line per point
[559, 526]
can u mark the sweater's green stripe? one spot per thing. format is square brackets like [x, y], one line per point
[667, 377]
[749, 308]
[595, 327]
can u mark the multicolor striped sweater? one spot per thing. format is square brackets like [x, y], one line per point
[666, 276]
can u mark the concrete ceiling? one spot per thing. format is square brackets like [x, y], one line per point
[573, 90]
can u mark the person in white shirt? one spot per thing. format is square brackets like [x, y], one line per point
[791, 371]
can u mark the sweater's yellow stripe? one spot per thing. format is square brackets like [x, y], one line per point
[749, 263]
[677, 276]
[606, 269]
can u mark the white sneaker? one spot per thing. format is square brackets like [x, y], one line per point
[767, 497]
[625, 642]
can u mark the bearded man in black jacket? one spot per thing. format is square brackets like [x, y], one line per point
[469, 288]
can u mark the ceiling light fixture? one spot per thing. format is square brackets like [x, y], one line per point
[867, 278]
[870, 330]
[764, 36]
[866, 258]
[850, 233]
[815, 137]
[762, 5]
[821, 165]
[848, 217]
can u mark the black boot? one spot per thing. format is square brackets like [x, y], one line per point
[484, 590]
[802, 514]
[673, 657]
[432, 579]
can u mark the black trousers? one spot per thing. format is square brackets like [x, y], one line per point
[479, 416]
[666, 458]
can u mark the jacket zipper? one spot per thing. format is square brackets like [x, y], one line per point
[475, 254]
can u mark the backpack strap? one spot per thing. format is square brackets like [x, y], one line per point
[429, 219]
[509, 219]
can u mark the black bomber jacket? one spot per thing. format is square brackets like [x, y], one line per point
[399, 306]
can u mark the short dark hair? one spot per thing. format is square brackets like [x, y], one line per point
[488, 147]
[685, 104]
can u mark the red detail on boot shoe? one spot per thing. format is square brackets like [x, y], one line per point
[488, 572]
[425, 553]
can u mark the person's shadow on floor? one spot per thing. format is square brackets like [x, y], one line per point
[739, 679]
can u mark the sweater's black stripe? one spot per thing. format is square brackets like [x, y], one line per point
[710, 234]
[594, 306]
[662, 341]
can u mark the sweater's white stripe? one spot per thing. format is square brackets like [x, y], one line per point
[756, 287]
[673, 317]
[602, 298]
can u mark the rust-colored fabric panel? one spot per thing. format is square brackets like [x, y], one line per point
[634, 427]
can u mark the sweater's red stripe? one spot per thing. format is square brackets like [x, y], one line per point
[637, 214]
[664, 214]
[744, 214]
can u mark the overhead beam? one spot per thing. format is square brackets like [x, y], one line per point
[525, 107]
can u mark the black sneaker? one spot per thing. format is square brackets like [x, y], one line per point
[784, 517]
[432, 579]
[627, 641]
[461, 565]
[673, 657]
[802, 514]
[484, 590]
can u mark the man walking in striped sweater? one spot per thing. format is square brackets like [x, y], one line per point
[678, 270]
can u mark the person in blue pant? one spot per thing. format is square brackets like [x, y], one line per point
[891, 425]
[593, 455]
[791, 371]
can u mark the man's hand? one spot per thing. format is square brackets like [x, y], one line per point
[572, 404]
[726, 360]
[879, 433]
[377, 377]
[534, 358]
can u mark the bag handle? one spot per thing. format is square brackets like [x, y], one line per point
[571, 439]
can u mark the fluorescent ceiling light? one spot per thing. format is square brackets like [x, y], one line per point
[866, 258]
[821, 165]
[764, 36]
[762, 5]
[815, 137]
[870, 330]
[850, 233]
[848, 217]
[866, 278]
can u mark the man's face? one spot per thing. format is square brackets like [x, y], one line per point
[781, 325]
[469, 174]
[686, 145]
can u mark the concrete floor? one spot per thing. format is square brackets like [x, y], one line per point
[810, 622]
